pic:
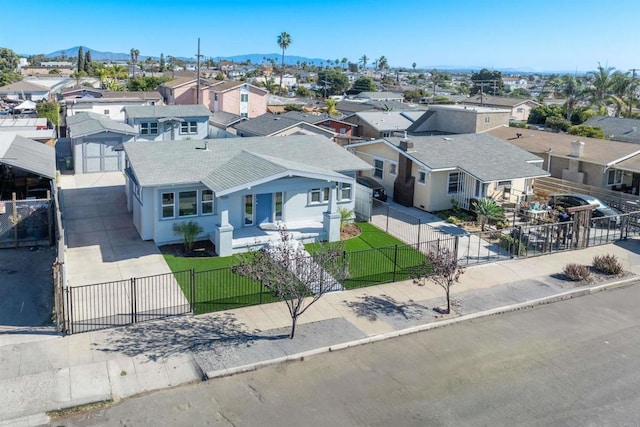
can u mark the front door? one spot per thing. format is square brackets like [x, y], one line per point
[264, 208]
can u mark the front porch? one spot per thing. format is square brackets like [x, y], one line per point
[256, 237]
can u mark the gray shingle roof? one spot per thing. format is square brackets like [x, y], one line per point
[617, 128]
[266, 124]
[224, 118]
[27, 154]
[83, 124]
[386, 120]
[158, 111]
[484, 156]
[228, 163]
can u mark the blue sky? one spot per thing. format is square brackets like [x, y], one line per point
[538, 35]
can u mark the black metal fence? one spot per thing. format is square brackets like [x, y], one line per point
[124, 302]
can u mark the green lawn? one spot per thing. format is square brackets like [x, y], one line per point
[373, 257]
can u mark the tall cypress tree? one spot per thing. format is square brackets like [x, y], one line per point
[162, 62]
[88, 66]
[80, 59]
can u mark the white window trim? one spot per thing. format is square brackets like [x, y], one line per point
[162, 205]
[190, 130]
[424, 173]
[205, 202]
[618, 177]
[137, 192]
[177, 196]
[340, 190]
[373, 174]
[449, 182]
[151, 126]
[322, 200]
[505, 183]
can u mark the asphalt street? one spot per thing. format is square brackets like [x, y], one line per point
[574, 362]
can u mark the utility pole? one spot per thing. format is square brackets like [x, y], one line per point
[198, 74]
[632, 89]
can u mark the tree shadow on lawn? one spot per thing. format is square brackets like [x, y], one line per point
[373, 306]
[178, 335]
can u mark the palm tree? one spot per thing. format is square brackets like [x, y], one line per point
[571, 88]
[363, 60]
[344, 63]
[600, 81]
[414, 67]
[284, 41]
[134, 58]
[383, 63]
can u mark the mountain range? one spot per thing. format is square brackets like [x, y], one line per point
[258, 58]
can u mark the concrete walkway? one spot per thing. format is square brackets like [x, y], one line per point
[44, 372]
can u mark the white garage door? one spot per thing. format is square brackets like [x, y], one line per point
[100, 156]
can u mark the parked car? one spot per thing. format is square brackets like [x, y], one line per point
[378, 189]
[572, 200]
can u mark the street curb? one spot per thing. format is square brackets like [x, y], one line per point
[220, 373]
[39, 419]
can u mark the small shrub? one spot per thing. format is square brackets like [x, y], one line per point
[453, 220]
[608, 264]
[577, 272]
[514, 246]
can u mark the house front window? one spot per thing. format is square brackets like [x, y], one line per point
[187, 203]
[504, 183]
[393, 168]
[137, 191]
[106, 112]
[206, 202]
[248, 209]
[385, 134]
[344, 191]
[614, 177]
[168, 205]
[487, 120]
[244, 97]
[319, 196]
[378, 171]
[148, 128]
[188, 127]
[454, 180]
[215, 96]
[277, 211]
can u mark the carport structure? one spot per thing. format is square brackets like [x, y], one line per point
[106, 260]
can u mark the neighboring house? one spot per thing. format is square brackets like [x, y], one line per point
[221, 124]
[382, 124]
[278, 125]
[617, 128]
[79, 93]
[447, 119]
[336, 123]
[33, 128]
[288, 81]
[600, 163]
[111, 104]
[96, 142]
[512, 83]
[380, 96]
[520, 108]
[27, 168]
[428, 172]
[240, 190]
[24, 90]
[169, 122]
[179, 91]
[233, 97]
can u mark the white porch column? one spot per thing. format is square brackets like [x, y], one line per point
[224, 231]
[331, 218]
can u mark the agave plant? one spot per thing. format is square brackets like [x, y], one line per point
[487, 209]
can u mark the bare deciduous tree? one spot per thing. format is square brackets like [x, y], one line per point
[297, 277]
[441, 268]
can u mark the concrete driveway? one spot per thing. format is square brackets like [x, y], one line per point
[103, 246]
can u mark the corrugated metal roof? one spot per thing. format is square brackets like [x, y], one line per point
[27, 154]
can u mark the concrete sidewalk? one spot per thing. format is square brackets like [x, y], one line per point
[41, 372]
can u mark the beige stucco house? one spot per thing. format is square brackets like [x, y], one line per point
[428, 172]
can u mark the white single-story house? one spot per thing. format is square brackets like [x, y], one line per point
[25, 90]
[168, 122]
[240, 190]
[96, 142]
[429, 172]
